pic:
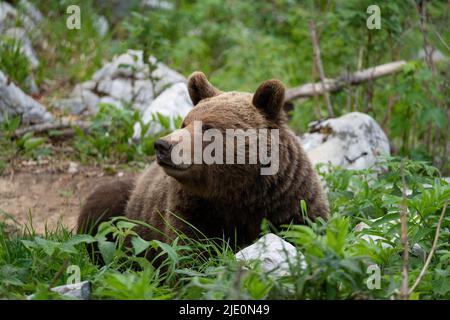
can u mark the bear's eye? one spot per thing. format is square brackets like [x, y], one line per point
[183, 125]
[206, 127]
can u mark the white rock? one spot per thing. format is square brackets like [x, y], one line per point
[435, 54]
[73, 167]
[165, 77]
[173, 102]
[126, 80]
[158, 4]
[31, 11]
[119, 89]
[101, 25]
[143, 95]
[81, 290]
[377, 239]
[89, 85]
[361, 226]
[275, 254]
[353, 141]
[14, 102]
[370, 237]
[9, 17]
[74, 106]
[110, 100]
[416, 249]
[90, 100]
[7, 14]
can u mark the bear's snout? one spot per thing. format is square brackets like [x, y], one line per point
[163, 149]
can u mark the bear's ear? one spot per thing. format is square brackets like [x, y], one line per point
[200, 88]
[269, 97]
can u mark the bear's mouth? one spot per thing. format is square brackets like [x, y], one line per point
[170, 166]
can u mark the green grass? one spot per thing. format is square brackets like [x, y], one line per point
[336, 255]
[13, 62]
[110, 136]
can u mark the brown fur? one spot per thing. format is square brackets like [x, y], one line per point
[106, 201]
[221, 200]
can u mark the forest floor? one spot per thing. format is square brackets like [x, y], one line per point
[50, 191]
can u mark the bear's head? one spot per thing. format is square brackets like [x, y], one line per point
[228, 141]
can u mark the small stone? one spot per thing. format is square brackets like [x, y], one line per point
[369, 237]
[81, 290]
[418, 251]
[377, 239]
[158, 4]
[101, 26]
[361, 226]
[73, 167]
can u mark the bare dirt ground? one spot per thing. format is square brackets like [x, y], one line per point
[50, 192]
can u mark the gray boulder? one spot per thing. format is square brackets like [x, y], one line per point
[353, 141]
[15, 102]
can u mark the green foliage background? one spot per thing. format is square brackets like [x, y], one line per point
[239, 44]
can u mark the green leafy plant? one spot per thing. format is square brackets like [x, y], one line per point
[334, 261]
[111, 135]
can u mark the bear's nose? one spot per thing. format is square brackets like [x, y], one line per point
[162, 147]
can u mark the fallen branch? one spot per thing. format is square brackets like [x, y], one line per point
[63, 124]
[433, 249]
[333, 85]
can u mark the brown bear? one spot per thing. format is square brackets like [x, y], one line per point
[221, 200]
